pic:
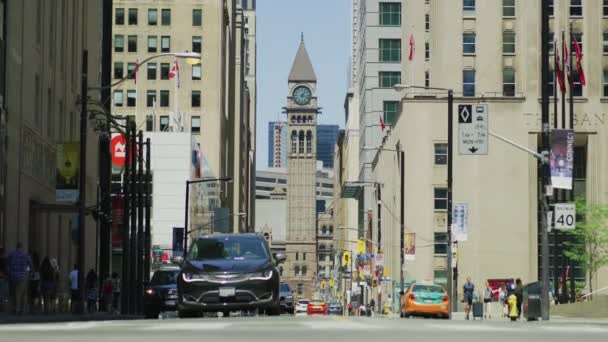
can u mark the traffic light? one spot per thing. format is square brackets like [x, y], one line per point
[346, 259]
[374, 283]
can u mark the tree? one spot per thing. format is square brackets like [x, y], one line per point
[591, 232]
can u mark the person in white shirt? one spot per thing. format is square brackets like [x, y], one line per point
[75, 296]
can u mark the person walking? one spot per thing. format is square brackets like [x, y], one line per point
[107, 293]
[468, 290]
[20, 266]
[92, 291]
[74, 293]
[35, 297]
[502, 299]
[48, 285]
[487, 301]
[519, 294]
[115, 292]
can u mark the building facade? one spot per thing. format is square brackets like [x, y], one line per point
[487, 52]
[277, 144]
[327, 135]
[41, 49]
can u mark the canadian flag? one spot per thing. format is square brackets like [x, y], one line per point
[382, 124]
[567, 63]
[579, 58]
[175, 72]
[558, 71]
[412, 47]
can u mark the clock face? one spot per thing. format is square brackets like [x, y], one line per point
[302, 95]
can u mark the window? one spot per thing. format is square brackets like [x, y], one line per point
[164, 98]
[508, 8]
[131, 98]
[195, 124]
[149, 123]
[390, 50]
[304, 256]
[468, 6]
[605, 83]
[390, 14]
[130, 118]
[577, 89]
[164, 123]
[294, 142]
[164, 71]
[576, 8]
[508, 82]
[119, 43]
[551, 81]
[441, 198]
[196, 98]
[551, 7]
[165, 44]
[132, 16]
[132, 44]
[150, 98]
[152, 16]
[131, 70]
[197, 17]
[118, 98]
[196, 43]
[508, 43]
[551, 43]
[151, 71]
[468, 83]
[152, 43]
[579, 39]
[389, 110]
[605, 42]
[605, 8]
[309, 142]
[196, 72]
[427, 51]
[441, 243]
[388, 79]
[441, 154]
[118, 70]
[468, 42]
[427, 79]
[119, 19]
[165, 17]
[301, 142]
[427, 22]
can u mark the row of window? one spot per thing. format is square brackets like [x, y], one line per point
[151, 71]
[165, 17]
[165, 43]
[327, 230]
[163, 121]
[195, 97]
[297, 142]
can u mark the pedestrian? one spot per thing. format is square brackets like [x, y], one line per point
[487, 301]
[519, 294]
[468, 290]
[107, 293]
[350, 308]
[48, 286]
[35, 297]
[20, 266]
[92, 291]
[362, 310]
[4, 283]
[74, 293]
[372, 307]
[502, 299]
[512, 301]
[115, 291]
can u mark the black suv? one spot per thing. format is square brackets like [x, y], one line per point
[229, 272]
[286, 298]
[161, 294]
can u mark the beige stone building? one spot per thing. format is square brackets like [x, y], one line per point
[40, 68]
[215, 96]
[488, 52]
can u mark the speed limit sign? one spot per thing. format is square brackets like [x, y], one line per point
[565, 216]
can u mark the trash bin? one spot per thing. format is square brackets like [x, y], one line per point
[532, 301]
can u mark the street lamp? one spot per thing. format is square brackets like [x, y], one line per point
[452, 269]
[186, 209]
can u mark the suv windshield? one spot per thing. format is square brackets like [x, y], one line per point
[232, 247]
[164, 277]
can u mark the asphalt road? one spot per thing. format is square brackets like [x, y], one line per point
[308, 329]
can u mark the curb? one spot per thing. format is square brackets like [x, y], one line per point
[63, 319]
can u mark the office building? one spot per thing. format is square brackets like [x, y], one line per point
[327, 135]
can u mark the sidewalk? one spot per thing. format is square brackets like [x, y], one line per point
[60, 318]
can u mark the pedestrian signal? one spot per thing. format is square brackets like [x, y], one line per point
[346, 259]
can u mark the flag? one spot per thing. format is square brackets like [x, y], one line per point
[579, 58]
[175, 72]
[382, 124]
[136, 69]
[412, 47]
[558, 70]
[567, 63]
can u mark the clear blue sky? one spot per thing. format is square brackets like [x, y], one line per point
[327, 35]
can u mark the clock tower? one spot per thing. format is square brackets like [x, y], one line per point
[301, 265]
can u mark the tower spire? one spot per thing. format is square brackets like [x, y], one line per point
[302, 70]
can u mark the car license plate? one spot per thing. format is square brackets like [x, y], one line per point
[227, 292]
[428, 301]
[170, 302]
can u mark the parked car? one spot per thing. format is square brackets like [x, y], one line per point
[334, 308]
[161, 294]
[302, 305]
[425, 300]
[317, 306]
[229, 272]
[286, 298]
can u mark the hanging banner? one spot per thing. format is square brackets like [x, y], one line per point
[178, 241]
[118, 210]
[460, 217]
[68, 167]
[561, 161]
[410, 246]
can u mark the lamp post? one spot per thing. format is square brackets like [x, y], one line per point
[186, 208]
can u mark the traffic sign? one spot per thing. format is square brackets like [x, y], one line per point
[473, 129]
[379, 259]
[565, 216]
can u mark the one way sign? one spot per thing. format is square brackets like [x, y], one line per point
[473, 129]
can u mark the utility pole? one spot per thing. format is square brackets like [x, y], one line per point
[132, 293]
[402, 222]
[126, 269]
[148, 205]
[140, 223]
[82, 197]
[452, 274]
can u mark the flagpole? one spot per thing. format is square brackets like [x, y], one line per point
[572, 83]
[175, 97]
[564, 76]
[555, 81]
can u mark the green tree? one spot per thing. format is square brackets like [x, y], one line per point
[591, 232]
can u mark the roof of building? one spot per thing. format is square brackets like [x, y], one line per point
[302, 70]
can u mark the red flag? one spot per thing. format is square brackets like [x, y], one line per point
[175, 72]
[579, 58]
[567, 63]
[412, 47]
[382, 124]
[136, 69]
[558, 71]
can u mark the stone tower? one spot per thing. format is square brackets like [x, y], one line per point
[302, 109]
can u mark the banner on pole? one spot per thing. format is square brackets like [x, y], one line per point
[118, 211]
[460, 215]
[410, 246]
[68, 169]
[562, 158]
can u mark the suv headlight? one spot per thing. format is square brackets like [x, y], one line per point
[191, 277]
[265, 275]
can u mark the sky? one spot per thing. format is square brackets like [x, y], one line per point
[327, 35]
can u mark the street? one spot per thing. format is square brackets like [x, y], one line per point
[289, 328]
